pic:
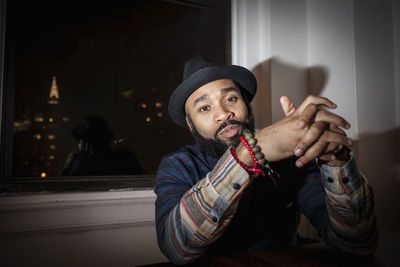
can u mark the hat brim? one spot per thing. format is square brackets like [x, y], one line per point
[241, 75]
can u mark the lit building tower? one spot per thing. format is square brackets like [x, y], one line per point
[45, 134]
[51, 129]
[50, 132]
[54, 96]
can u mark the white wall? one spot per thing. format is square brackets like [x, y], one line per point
[374, 47]
[376, 93]
[289, 75]
[331, 44]
[251, 47]
[269, 37]
[346, 50]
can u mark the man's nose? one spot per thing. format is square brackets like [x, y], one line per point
[223, 114]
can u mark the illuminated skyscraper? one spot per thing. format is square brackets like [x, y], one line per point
[46, 136]
[54, 96]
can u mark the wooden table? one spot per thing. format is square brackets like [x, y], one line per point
[317, 254]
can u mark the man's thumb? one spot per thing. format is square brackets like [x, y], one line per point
[287, 105]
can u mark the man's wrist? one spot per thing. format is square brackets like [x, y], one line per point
[340, 159]
[341, 180]
[243, 155]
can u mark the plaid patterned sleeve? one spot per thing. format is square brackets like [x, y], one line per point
[344, 207]
[203, 211]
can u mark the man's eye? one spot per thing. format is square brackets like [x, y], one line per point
[232, 99]
[205, 108]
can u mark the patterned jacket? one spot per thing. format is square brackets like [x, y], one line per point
[210, 206]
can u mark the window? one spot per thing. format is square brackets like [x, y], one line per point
[96, 77]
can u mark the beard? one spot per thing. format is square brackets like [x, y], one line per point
[215, 147]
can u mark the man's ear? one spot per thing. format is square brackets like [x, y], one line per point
[189, 124]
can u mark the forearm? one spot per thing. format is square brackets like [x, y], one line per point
[204, 211]
[351, 224]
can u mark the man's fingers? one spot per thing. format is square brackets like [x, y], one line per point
[334, 133]
[312, 113]
[332, 148]
[319, 132]
[336, 129]
[327, 143]
[287, 105]
[310, 137]
[326, 116]
[307, 116]
[314, 151]
[327, 157]
[333, 137]
[316, 100]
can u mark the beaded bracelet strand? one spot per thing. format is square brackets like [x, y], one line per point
[249, 137]
[256, 167]
[257, 156]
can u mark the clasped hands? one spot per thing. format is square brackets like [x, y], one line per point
[308, 132]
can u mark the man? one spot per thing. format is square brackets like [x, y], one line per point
[228, 194]
[95, 155]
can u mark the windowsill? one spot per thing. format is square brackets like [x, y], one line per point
[73, 212]
[77, 184]
[48, 197]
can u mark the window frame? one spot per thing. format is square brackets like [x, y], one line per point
[71, 183]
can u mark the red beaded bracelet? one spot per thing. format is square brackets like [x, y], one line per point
[256, 167]
[259, 161]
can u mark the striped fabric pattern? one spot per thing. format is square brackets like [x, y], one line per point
[350, 206]
[197, 197]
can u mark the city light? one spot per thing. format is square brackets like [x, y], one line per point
[143, 105]
[66, 119]
[158, 104]
[127, 94]
[43, 175]
[39, 119]
[148, 119]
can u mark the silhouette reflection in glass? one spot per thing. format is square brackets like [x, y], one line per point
[95, 156]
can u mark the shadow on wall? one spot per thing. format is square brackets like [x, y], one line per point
[377, 154]
[379, 158]
[275, 78]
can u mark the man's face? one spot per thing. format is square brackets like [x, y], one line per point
[213, 106]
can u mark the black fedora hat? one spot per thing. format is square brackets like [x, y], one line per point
[199, 71]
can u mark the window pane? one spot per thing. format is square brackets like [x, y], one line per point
[97, 78]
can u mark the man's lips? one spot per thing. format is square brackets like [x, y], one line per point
[229, 131]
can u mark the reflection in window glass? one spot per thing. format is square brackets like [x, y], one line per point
[91, 83]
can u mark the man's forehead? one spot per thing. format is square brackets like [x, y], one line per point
[218, 87]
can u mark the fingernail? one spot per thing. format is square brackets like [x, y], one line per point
[298, 152]
[348, 125]
[334, 105]
[301, 124]
[299, 164]
[349, 141]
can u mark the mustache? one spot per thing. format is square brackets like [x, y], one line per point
[223, 125]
